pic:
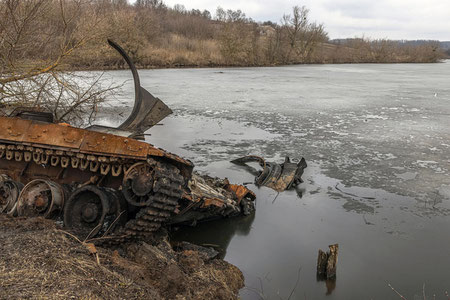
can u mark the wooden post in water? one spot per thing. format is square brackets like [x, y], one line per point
[327, 262]
[322, 262]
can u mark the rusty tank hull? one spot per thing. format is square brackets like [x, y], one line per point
[104, 183]
[76, 159]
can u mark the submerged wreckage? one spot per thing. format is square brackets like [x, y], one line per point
[103, 182]
[278, 177]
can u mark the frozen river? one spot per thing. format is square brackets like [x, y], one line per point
[377, 141]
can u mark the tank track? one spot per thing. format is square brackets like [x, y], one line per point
[168, 189]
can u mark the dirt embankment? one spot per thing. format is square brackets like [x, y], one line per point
[39, 260]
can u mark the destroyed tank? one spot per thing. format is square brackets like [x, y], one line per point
[102, 182]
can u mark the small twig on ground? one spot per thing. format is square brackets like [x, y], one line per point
[113, 223]
[104, 238]
[71, 235]
[90, 233]
[400, 295]
[212, 245]
[90, 247]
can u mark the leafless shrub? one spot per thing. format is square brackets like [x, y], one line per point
[37, 38]
[302, 35]
[72, 97]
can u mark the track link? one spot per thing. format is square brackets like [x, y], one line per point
[168, 189]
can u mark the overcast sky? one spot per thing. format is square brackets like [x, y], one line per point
[393, 19]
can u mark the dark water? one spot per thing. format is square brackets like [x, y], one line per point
[377, 142]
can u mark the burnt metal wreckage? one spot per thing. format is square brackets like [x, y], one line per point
[105, 184]
[278, 177]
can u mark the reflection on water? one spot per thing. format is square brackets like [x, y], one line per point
[329, 283]
[377, 142]
[216, 234]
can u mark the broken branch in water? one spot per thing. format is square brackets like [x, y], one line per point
[400, 295]
[296, 283]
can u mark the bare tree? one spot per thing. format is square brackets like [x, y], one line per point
[36, 39]
[155, 4]
[273, 43]
[238, 38]
[302, 35]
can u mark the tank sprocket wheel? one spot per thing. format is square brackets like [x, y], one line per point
[138, 182]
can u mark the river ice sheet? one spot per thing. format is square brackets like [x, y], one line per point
[377, 141]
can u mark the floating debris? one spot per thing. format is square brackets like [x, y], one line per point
[278, 177]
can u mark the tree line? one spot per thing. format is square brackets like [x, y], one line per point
[71, 34]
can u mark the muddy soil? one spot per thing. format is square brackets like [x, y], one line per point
[40, 260]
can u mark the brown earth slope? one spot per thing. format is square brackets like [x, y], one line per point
[39, 260]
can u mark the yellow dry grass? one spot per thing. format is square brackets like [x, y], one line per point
[38, 261]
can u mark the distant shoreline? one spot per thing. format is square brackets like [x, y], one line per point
[219, 66]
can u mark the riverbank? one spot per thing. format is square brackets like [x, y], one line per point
[154, 57]
[120, 66]
[40, 260]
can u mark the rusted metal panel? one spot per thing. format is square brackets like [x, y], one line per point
[63, 136]
[54, 135]
[155, 152]
[241, 192]
[13, 129]
[95, 142]
[212, 201]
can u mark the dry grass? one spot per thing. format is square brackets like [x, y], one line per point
[178, 50]
[40, 261]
